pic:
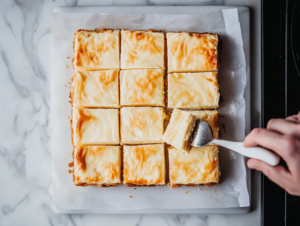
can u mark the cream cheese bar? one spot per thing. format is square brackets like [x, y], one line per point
[144, 165]
[97, 165]
[95, 126]
[198, 167]
[143, 87]
[141, 125]
[193, 90]
[192, 52]
[95, 89]
[96, 50]
[142, 49]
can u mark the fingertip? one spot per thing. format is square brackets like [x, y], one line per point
[271, 122]
[253, 163]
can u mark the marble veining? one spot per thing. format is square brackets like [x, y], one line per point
[25, 159]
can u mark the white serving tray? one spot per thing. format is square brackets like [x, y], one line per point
[244, 17]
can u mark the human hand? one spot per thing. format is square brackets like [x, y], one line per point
[283, 137]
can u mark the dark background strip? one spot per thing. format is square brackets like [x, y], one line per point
[280, 94]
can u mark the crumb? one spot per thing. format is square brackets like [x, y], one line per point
[186, 192]
[68, 57]
[130, 197]
[215, 190]
[134, 188]
[67, 66]
[71, 164]
[210, 196]
[68, 117]
[70, 171]
[199, 189]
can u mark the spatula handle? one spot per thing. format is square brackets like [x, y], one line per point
[253, 152]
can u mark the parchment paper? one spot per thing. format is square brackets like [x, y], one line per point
[232, 192]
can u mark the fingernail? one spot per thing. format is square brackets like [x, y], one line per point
[251, 165]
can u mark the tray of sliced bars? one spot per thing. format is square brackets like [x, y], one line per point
[120, 101]
[135, 94]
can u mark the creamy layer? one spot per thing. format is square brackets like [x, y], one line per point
[211, 118]
[190, 52]
[199, 166]
[179, 130]
[95, 126]
[142, 125]
[97, 165]
[96, 88]
[144, 164]
[142, 87]
[193, 90]
[96, 50]
[142, 49]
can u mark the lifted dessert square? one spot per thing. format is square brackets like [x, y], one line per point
[179, 130]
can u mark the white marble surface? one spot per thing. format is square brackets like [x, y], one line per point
[25, 161]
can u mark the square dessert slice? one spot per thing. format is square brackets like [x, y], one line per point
[179, 130]
[198, 167]
[96, 88]
[142, 49]
[142, 87]
[144, 165]
[96, 50]
[192, 52]
[211, 118]
[141, 125]
[95, 126]
[193, 90]
[97, 165]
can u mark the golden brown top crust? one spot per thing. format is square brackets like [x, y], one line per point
[97, 165]
[95, 88]
[141, 49]
[83, 117]
[142, 87]
[96, 50]
[200, 166]
[192, 52]
[95, 126]
[80, 155]
[193, 90]
[142, 125]
[144, 164]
